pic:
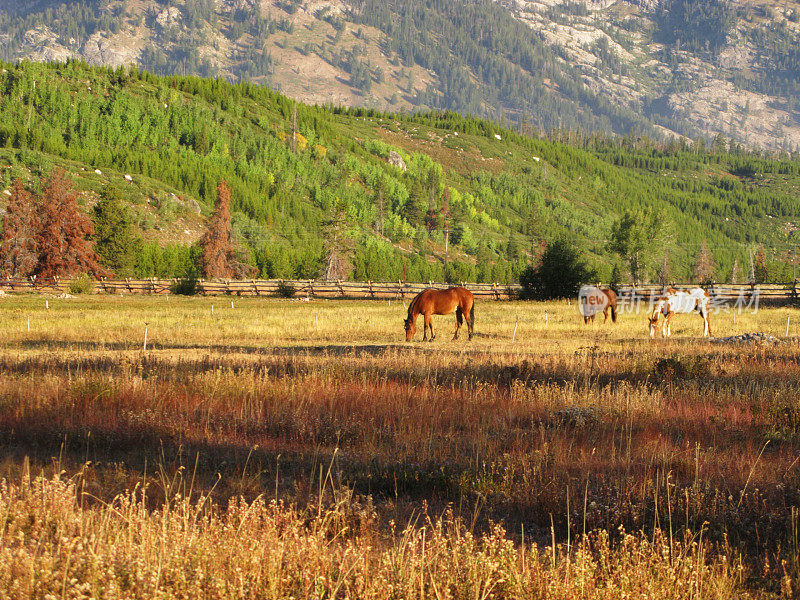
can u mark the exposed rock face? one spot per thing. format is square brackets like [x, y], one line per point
[169, 17]
[99, 50]
[696, 89]
[719, 106]
[45, 46]
[397, 161]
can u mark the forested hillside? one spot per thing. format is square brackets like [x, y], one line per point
[387, 188]
[662, 68]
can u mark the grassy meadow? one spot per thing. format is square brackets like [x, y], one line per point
[266, 448]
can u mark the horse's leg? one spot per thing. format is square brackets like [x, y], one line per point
[425, 321]
[429, 318]
[469, 315]
[605, 315]
[667, 330]
[706, 322]
[459, 320]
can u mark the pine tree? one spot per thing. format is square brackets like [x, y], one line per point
[64, 249]
[664, 271]
[338, 243]
[760, 266]
[18, 250]
[735, 275]
[635, 237]
[704, 266]
[115, 241]
[559, 275]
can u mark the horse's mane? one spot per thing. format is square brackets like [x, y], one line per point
[414, 303]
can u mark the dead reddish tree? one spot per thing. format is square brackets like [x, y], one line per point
[705, 266]
[219, 252]
[18, 249]
[63, 247]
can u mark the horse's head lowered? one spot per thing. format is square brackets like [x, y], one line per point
[411, 328]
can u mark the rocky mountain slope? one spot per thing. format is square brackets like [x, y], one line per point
[664, 67]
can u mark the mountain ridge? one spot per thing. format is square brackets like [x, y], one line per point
[537, 65]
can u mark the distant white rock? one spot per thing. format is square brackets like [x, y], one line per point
[193, 205]
[128, 178]
[497, 136]
[169, 16]
[98, 172]
[397, 161]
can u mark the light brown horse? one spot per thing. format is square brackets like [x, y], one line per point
[609, 306]
[440, 302]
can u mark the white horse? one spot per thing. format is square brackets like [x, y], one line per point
[675, 301]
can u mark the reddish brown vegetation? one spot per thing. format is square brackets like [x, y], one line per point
[219, 251]
[47, 236]
[18, 245]
[63, 245]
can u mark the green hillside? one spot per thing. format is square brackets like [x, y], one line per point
[506, 194]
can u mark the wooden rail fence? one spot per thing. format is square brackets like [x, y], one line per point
[775, 293]
[258, 287]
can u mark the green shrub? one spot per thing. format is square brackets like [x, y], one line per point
[559, 275]
[285, 290]
[185, 286]
[82, 284]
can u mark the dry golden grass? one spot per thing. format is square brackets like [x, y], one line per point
[316, 421]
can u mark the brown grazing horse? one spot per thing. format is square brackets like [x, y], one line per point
[440, 302]
[611, 306]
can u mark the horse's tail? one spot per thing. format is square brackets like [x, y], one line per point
[472, 314]
[613, 313]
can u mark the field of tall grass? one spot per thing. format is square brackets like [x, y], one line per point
[262, 448]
